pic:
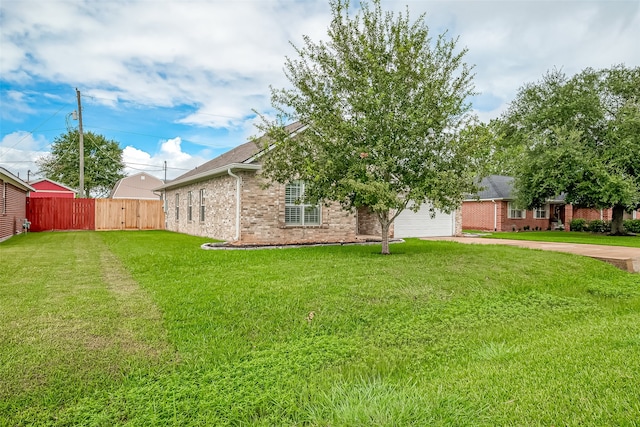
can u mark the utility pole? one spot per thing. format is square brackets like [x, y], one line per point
[81, 141]
[165, 171]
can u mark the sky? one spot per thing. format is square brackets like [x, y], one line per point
[178, 81]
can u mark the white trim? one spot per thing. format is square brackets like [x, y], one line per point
[302, 207]
[222, 170]
[547, 209]
[509, 209]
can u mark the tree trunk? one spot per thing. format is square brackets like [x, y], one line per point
[384, 224]
[385, 239]
[617, 227]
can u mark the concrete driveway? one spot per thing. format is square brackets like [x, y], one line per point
[622, 257]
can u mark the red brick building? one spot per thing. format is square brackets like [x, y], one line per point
[13, 204]
[492, 209]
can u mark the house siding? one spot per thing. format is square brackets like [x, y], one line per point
[47, 189]
[13, 209]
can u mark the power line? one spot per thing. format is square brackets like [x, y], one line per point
[33, 130]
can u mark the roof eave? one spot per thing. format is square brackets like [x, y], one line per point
[222, 170]
[11, 178]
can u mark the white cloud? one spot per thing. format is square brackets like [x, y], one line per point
[178, 162]
[19, 152]
[219, 57]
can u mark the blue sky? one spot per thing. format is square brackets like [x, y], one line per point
[176, 80]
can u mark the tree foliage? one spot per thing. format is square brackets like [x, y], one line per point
[579, 136]
[387, 124]
[103, 165]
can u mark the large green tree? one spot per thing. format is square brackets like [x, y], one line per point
[580, 136]
[387, 122]
[103, 165]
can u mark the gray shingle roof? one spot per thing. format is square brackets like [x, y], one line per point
[240, 154]
[496, 187]
[500, 187]
[240, 158]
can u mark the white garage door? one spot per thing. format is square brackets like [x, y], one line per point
[420, 224]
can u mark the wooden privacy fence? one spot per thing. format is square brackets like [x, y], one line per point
[129, 214]
[61, 214]
[94, 214]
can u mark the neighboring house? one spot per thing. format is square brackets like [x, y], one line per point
[13, 204]
[46, 188]
[492, 209]
[227, 199]
[137, 186]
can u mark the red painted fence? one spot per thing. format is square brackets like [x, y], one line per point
[61, 214]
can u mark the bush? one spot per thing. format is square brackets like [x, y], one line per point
[578, 224]
[599, 226]
[632, 225]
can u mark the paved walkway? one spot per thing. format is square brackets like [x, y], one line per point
[622, 257]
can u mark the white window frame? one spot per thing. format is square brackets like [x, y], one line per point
[513, 213]
[177, 206]
[295, 207]
[201, 210]
[541, 212]
[189, 206]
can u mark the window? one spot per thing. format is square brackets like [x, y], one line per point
[189, 206]
[515, 213]
[202, 205]
[177, 206]
[295, 211]
[541, 212]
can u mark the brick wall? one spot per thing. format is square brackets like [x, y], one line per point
[13, 209]
[220, 209]
[490, 216]
[262, 214]
[480, 215]
[591, 214]
[263, 219]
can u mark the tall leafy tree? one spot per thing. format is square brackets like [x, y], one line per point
[580, 136]
[387, 122]
[103, 165]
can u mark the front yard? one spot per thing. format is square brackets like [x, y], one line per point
[565, 237]
[145, 328]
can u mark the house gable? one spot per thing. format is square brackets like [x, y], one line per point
[138, 186]
[47, 188]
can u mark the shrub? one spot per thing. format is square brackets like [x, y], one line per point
[599, 226]
[578, 224]
[632, 225]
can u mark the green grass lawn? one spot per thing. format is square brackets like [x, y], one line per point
[145, 328]
[565, 237]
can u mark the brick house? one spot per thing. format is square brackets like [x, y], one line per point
[227, 199]
[13, 204]
[46, 188]
[492, 209]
